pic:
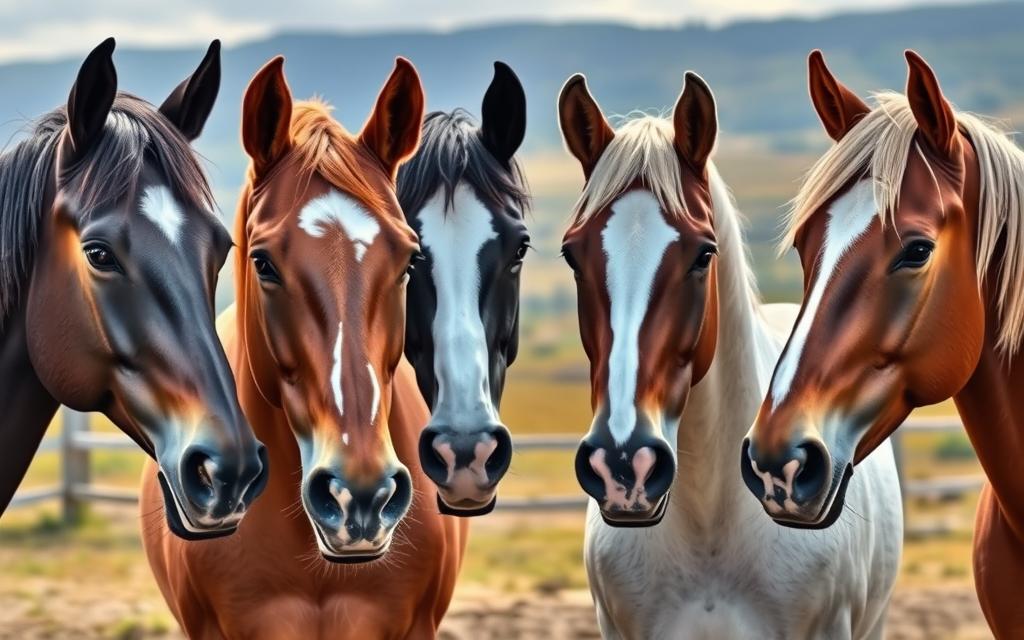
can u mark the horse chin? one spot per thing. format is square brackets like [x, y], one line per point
[830, 510]
[178, 521]
[360, 553]
[637, 519]
[466, 508]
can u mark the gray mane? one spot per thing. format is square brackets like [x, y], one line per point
[451, 151]
[135, 134]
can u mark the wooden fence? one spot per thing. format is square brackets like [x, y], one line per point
[76, 443]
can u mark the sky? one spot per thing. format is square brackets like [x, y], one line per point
[46, 29]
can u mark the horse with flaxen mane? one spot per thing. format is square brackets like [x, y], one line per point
[465, 196]
[911, 236]
[316, 340]
[681, 350]
[109, 253]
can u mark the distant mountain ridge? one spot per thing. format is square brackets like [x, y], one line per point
[757, 69]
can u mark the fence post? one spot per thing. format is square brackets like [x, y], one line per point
[74, 464]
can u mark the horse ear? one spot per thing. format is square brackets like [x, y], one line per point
[838, 107]
[696, 121]
[190, 103]
[935, 118]
[91, 97]
[504, 114]
[392, 132]
[584, 128]
[267, 116]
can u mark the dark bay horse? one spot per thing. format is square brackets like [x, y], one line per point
[315, 340]
[109, 253]
[464, 194]
[911, 234]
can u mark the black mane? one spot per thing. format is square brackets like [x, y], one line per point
[451, 151]
[136, 133]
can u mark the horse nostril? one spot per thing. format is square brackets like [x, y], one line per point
[321, 501]
[588, 478]
[662, 474]
[498, 462]
[199, 477]
[754, 483]
[431, 460]
[812, 474]
[399, 502]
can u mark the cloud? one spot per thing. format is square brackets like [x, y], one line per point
[57, 28]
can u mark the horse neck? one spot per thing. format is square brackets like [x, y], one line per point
[25, 404]
[722, 406]
[992, 410]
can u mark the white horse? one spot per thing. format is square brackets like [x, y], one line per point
[682, 352]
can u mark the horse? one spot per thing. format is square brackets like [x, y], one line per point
[109, 254]
[680, 351]
[909, 230]
[464, 194]
[315, 340]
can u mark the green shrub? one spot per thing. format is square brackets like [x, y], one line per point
[955, 446]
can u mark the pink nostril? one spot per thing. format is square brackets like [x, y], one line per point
[643, 464]
[598, 464]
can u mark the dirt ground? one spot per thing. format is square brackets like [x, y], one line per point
[949, 612]
[923, 613]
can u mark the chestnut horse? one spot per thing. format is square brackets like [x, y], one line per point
[316, 342]
[681, 350]
[910, 233]
[464, 194]
[109, 253]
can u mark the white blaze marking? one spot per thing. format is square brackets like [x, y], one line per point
[336, 374]
[635, 240]
[461, 363]
[159, 205]
[335, 208]
[848, 219]
[375, 403]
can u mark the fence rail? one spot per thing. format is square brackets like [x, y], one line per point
[76, 442]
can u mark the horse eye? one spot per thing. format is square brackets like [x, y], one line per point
[265, 269]
[703, 261]
[416, 258]
[914, 255]
[517, 262]
[102, 258]
[521, 251]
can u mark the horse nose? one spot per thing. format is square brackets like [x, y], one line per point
[221, 487]
[356, 512]
[482, 456]
[795, 476]
[628, 480]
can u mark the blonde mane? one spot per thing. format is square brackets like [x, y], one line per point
[878, 146]
[643, 149]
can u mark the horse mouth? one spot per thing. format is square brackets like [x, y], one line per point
[830, 510]
[466, 508]
[360, 553]
[179, 522]
[636, 519]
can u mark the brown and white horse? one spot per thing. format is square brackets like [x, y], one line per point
[109, 253]
[911, 234]
[315, 340]
[681, 351]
